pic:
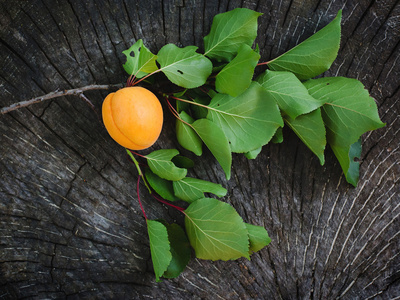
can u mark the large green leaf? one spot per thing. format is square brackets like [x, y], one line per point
[161, 186]
[215, 230]
[348, 113]
[236, 76]
[258, 237]
[180, 250]
[159, 247]
[139, 60]
[216, 141]
[310, 129]
[288, 91]
[313, 56]
[191, 189]
[184, 66]
[187, 137]
[229, 31]
[249, 121]
[160, 163]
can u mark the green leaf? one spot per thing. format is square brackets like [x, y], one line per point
[258, 237]
[218, 66]
[288, 91]
[215, 230]
[216, 141]
[180, 94]
[349, 110]
[191, 189]
[187, 137]
[348, 113]
[249, 121]
[313, 56]
[161, 186]
[182, 106]
[229, 31]
[278, 136]
[310, 129]
[160, 163]
[180, 250]
[184, 66]
[139, 60]
[183, 162]
[346, 157]
[200, 112]
[253, 153]
[159, 247]
[236, 76]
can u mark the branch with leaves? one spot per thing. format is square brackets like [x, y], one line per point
[220, 105]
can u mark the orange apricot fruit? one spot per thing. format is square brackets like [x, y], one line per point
[133, 117]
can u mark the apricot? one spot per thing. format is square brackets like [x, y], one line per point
[133, 117]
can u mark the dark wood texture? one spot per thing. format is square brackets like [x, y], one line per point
[70, 223]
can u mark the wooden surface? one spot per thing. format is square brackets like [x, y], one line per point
[70, 223]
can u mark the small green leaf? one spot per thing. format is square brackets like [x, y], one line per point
[183, 162]
[278, 136]
[187, 137]
[139, 60]
[191, 189]
[180, 250]
[236, 76]
[346, 157]
[253, 153]
[159, 247]
[348, 113]
[258, 237]
[182, 106]
[249, 121]
[313, 56]
[310, 129]
[180, 94]
[215, 230]
[200, 112]
[184, 66]
[161, 186]
[218, 66]
[288, 91]
[216, 141]
[229, 31]
[160, 163]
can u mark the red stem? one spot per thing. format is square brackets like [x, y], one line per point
[175, 113]
[133, 152]
[143, 78]
[138, 195]
[181, 209]
[264, 63]
[130, 80]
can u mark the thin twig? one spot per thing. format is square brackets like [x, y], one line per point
[264, 63]
[143, 78]
[91, 105]
[181, 209]
[74, 92]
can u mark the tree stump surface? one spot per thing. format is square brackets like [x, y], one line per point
[71, 226]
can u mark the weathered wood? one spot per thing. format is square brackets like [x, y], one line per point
[70, 223]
